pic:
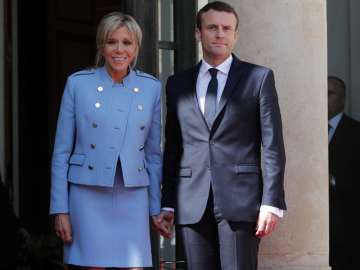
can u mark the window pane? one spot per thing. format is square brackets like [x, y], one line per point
[166, 20]
[167, 252]
[166, 64]
[167, 246]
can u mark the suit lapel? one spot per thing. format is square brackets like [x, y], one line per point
[194, 98]
[339, 132]
[232, 80]
[234, 77]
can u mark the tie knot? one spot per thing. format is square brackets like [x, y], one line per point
[213, 72]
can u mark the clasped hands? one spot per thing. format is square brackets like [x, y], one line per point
[163, 223]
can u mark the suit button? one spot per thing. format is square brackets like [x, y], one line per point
[141, 148]
[90, 167]
[140, 169]
[212, 142]
[92, 146]
[94, 125]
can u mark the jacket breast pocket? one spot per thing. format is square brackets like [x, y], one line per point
[245, 169]
[185, 173]
[244, 107]
[77, 159]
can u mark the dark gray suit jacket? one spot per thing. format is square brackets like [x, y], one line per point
[227, 155]
[344, 160]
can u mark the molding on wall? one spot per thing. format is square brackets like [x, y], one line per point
[2, 92]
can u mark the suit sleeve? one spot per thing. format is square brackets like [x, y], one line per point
[273, 151]
[64, 141]
[153, 155]
[172, 149]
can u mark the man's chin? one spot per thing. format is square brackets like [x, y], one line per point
[221, 54]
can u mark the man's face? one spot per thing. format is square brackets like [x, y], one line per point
[217, 35]
[336, 98]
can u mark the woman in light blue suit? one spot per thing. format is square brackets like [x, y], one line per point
[107, 163]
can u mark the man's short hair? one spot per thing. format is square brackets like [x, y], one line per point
[218, 6]
[341, 82]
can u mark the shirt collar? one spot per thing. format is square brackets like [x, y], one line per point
[334, 122]
[105, 76]
[224, 67]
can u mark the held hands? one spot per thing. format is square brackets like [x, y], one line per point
[63, 227]
[163, 223]
[266, 223]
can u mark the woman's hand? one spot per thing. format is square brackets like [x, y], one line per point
[63, 227]
[163, 223]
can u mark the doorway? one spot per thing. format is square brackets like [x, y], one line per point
[57, 38]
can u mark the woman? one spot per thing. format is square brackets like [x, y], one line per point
[106, 167]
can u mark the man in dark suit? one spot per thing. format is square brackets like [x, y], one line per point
[344, 162]
[220, 114]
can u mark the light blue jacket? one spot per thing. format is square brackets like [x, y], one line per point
[100, 122]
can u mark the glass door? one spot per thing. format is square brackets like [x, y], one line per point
[176, 52]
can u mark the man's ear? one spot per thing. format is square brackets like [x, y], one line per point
[236, 35]
[198, 34]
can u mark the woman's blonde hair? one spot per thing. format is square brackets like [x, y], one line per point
[108, 24]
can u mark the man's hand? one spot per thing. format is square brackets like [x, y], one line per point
[163, 223]
[63, 227]
[266, 223]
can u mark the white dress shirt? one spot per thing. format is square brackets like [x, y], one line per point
[204, 78]
[202, 82]
[333, 123]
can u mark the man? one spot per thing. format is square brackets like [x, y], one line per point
[344, 161]
[219, 114]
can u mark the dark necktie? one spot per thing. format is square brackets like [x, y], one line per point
[210, 98]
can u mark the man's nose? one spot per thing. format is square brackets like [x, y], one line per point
[220, 32]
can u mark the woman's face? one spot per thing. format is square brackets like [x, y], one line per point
[119, 51]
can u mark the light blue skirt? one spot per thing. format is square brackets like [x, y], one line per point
[110, 226]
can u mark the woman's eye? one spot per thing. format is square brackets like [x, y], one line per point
[127, 42]
[111, 42]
